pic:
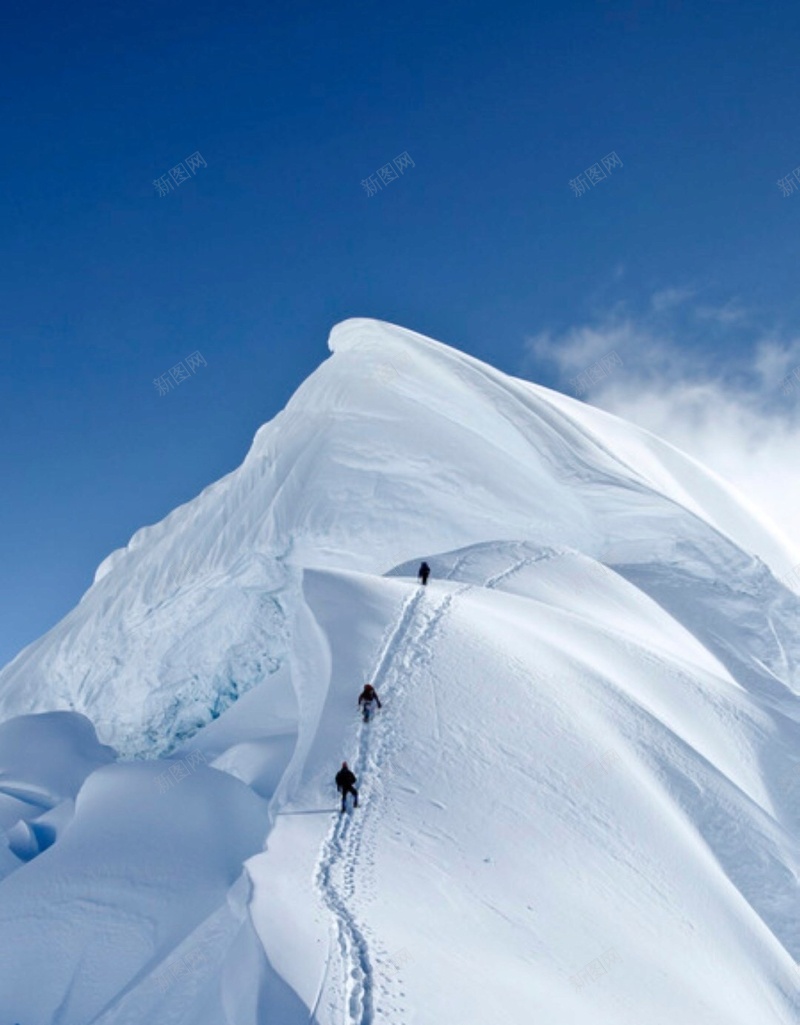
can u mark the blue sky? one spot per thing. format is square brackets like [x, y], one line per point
[685, 255]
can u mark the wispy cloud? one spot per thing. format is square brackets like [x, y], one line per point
[729, 313]
[731, 414]
[578, 347]
[669, 298]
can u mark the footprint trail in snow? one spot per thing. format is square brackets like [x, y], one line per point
[405, 652]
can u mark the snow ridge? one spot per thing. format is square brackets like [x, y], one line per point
[403, 657]
[343, 846]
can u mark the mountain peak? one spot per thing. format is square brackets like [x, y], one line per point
[396, 446]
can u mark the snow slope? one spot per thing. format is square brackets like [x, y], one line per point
[543, 787]
[579, 803]
[396, 445]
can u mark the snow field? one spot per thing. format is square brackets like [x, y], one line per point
[479, 826]
[564, 811]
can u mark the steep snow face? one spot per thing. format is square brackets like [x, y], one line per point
[578, 804]
[396, 445]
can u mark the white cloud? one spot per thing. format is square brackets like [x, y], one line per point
[733, 415]
[579, 347]
[774, 360]
[729, 313]
[669, 298]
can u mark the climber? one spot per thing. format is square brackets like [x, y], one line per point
[345, 784]
[365, 699]
[424, 573]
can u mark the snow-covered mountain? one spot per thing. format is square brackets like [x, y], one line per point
[579, 804]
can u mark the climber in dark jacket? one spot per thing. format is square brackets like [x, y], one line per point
[345, 784]
[365, 699]
[424, 573]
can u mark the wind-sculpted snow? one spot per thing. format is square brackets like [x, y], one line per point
[702, 587]
[395, 444]
[567, 808]
[149, 676]
[44, 760]
[578, 804]
[564, 805]
[136, 883]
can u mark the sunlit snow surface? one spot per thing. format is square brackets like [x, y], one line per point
[580, 803]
